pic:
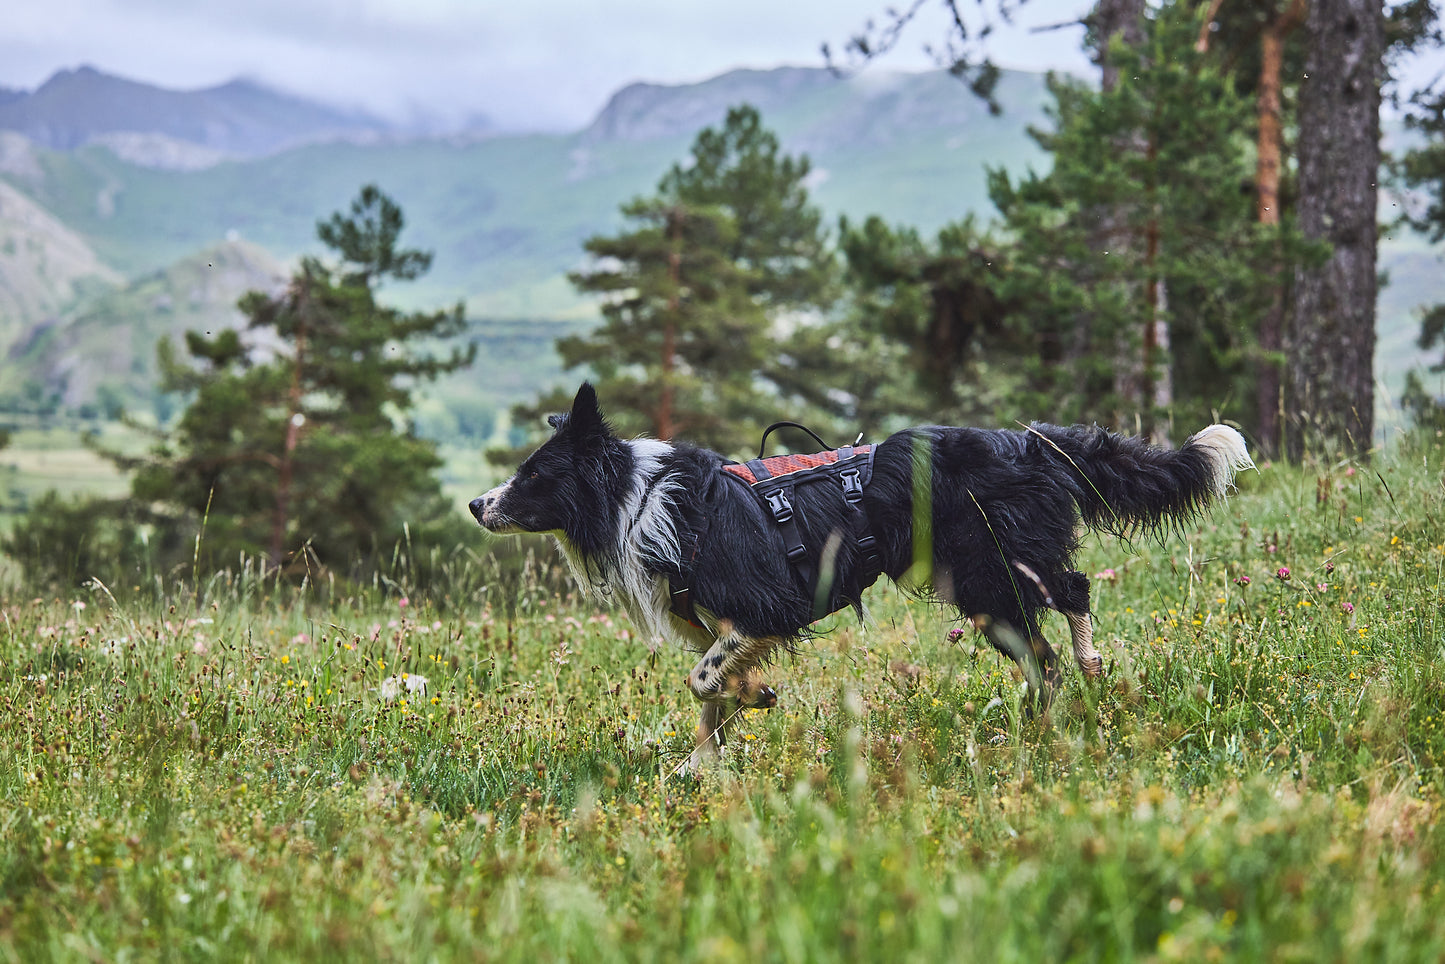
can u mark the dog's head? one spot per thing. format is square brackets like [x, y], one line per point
[558, 487]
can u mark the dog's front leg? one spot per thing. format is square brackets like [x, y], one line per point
[729, 671]
[724, 679]
[710, 735]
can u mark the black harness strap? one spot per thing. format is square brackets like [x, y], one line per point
[778, 497]
[680, 589]
[775, 486]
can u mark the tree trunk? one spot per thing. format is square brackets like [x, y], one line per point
[665, 423]
[1133, 349]
[1110, 18]
[281, 508]
[1269, 163]
[1330, 339]
[1157, 387]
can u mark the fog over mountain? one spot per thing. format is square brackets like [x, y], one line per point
[440, 64]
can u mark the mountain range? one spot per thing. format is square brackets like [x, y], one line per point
[129, 212]
[238, 119]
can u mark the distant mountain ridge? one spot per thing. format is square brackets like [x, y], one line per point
[507, 214]
[236, 119]
[822, 111]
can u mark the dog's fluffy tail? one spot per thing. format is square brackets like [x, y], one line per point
[1126, 485]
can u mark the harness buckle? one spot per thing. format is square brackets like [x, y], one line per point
[780, 505]
[852, 485]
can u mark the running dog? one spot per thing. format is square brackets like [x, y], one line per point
[984, 520]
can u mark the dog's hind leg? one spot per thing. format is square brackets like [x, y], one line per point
[1088, 658]
[1048, 662]
[1073, 602]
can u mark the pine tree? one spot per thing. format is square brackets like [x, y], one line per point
[694, 290]
[1263, 42]
[681, 339]
[1170, 301]
[296, 436]
[922, 320]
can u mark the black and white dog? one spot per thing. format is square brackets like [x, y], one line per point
[999, 509]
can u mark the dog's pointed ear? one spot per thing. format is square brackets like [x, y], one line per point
[586, 416]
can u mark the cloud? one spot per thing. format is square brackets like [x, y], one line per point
[529, 65]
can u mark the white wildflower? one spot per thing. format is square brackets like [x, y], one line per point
[394, 687]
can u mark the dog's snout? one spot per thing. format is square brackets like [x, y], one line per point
[487, 509]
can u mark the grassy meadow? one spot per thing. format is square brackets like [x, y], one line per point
[243, 771]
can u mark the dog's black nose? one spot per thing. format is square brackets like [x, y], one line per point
[477, 505]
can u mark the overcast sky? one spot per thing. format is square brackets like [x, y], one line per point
[525, 63]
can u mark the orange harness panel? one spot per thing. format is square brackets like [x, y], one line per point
[778, 465]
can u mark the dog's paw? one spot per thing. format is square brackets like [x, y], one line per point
[760, 696]
[1092, 665]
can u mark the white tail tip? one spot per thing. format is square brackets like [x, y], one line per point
[1227, 451]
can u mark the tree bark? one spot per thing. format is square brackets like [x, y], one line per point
[1136, 350]
[1330, 335]
[1268, 165]
[281, 508]
[665, 425]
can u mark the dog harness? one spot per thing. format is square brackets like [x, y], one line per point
[774, 481]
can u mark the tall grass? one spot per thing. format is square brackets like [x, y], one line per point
[214, 771]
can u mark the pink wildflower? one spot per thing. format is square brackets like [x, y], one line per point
[1242, 581]
[1282, 574]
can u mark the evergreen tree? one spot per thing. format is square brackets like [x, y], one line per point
[1262, 40]
[914, 345]
[778, 240]
[1167, 296]
[308, 445]
[681, 340]
[693, 292]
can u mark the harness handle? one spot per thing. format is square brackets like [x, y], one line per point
[762, 446]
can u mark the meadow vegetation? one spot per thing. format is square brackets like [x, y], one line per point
[242, 770]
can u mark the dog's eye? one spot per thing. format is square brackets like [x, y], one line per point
[535, 475]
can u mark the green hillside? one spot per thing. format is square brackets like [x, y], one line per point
[44, 265]
[104, 354]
